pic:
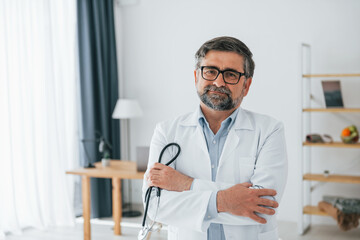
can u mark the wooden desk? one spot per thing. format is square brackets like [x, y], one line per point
[116, 171]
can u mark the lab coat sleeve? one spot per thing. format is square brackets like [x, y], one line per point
[270, 172]
[204, 185]
[181, 209]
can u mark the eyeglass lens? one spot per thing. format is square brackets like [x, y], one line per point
[212, 73]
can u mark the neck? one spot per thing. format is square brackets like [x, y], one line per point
[214, 117]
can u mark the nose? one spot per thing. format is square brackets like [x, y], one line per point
[219, 81]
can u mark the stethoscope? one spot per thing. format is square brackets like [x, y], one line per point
[155, 226]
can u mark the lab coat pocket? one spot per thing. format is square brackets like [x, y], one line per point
[269, 235]
[245, 169]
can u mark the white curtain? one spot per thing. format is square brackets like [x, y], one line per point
[38, 114]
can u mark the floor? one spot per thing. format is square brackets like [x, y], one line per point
[102, 230]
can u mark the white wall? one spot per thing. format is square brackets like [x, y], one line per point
[160, 38]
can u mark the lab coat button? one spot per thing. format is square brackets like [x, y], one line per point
[214, 142]
[209, 216]
[212, 166]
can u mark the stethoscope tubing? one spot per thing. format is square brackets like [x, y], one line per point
[148, 191]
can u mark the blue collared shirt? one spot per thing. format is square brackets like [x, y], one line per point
[215, 144]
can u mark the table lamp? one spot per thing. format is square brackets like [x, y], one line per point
[126, 109]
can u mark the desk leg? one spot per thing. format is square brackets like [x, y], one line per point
[117, 211]
[86, 206]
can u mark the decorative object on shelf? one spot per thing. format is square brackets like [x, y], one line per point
[346, 205]
[350, 134]
[332, 94]
[125, 109]
[326, 173]
[345, 211]
[317, 138]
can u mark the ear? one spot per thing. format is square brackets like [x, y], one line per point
[247, 86]
[195, 73]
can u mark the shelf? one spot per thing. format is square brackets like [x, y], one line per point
[334, 144]
[314, 210]
[350, 110]
[309, 178]
[331, 75]
[332, 178]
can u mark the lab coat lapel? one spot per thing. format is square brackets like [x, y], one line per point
[242, 122]
[231, 143]
[199, 144]
[200, 139]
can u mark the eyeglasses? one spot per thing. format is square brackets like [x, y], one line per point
[230, 76]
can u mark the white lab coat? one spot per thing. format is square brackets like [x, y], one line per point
[254, 152]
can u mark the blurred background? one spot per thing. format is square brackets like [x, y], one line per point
[64, 64]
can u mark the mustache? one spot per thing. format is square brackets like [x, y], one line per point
[217, 89]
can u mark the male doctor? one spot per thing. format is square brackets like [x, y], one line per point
[232, 169]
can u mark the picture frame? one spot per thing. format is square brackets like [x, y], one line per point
[332, 93]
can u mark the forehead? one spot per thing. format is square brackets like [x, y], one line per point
[224, 60]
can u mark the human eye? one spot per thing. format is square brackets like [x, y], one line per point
[210, 71]
[231, 75]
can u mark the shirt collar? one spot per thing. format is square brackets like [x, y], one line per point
[229, 121]
[244, 120]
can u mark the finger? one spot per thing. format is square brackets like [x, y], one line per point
[158, 166]
[154, 183]
[268, 203]
[154, 171]
[265, 192]
[246, 184]
[256, 218]
[264, 210]
[157, 173]
[155, 177]
[150, 183]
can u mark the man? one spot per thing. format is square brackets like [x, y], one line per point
[232, 169]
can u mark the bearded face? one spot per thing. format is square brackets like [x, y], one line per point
[215, 92]
[219, 98]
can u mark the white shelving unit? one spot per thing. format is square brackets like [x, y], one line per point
[306, 175]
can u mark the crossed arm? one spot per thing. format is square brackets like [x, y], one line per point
[237, 204]
[239, 200]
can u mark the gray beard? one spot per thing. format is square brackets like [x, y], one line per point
[219, 102]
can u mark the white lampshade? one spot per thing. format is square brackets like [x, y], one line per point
[127, 108]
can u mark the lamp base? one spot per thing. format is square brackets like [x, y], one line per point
[131, 213]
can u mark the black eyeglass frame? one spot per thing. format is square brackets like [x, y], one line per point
[222, 72]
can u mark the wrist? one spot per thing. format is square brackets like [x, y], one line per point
[220, 201]
[188, 183]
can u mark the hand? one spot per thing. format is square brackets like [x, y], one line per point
[240, 200]
[167, 178]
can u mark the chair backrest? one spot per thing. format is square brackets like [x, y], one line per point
[142, 158]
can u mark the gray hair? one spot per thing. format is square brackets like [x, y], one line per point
[227, 44]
